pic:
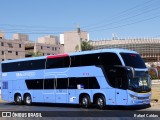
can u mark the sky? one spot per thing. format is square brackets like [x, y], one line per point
[100, 18]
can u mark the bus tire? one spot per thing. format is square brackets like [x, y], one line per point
[100, 102]
[27, 99]
[18, 99]
[85, 101]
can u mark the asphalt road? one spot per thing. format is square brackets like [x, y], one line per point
[61, 112]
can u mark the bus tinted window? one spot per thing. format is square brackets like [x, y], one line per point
[75, 61]
[61, 62]
[90, 59]
[49, 83]
[85, 60]
[72, 83]
[84, 82]
[24, 65]
[110, 59]
[34, 84]
[133, 60]
[62, 83]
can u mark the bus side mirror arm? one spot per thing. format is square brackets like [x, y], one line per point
[132, 70]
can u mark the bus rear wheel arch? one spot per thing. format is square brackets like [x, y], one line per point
[18, 98]
[84, 101]
[100, 101]
[27, 99]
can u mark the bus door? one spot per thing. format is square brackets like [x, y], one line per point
[10, 91]
[121, 86]
[49, 89]
[62, 89]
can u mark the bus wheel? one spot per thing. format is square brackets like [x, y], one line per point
[27, 99]
[85, 101]
[18, 99]
[100, 102]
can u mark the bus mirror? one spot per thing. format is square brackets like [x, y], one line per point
[131, 72]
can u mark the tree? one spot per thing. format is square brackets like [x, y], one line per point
[86, 46]
[35, 54]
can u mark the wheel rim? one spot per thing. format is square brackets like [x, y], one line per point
[18, 99]
[100, 102]
[85, 102]
[28, 100]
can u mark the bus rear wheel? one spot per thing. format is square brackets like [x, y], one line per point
[100, 102]
[85, 101]
[27, 99]
[18, 99]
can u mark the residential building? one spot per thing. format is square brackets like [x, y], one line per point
[11, 49]
[47, 45]
[72, 40]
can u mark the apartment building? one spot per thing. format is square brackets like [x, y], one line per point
[72, 40]
[47, 45]
[11, 49]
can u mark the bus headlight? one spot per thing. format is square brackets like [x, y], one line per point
[134, 97]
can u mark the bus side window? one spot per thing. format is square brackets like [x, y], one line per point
[72, 83]
[62, 83]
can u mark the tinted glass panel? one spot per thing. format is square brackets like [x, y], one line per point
[62, 83]
[72, 83]
[75, 61]
[93, 83]
[24, 65]
[110, 59]
[61, 62]
[34, 84]
[133, 60]
[83, 83]
[49, 83]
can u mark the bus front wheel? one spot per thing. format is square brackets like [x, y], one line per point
[85, 101]
[100, 102]
[27, 99]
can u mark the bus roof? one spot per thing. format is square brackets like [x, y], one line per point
[115, 50]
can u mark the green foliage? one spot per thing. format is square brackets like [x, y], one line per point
[86, 46]
[35, 54]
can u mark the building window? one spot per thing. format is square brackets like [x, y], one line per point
[2, 44]
[2, 52]
[10, 45]
[48, 53]
[9, 51]
[2, 59]
[52, 48]
[20, 45]
[16, 53]
[0, 37]
[55, 49]
[48, 47]
[43, 54]
[41, 47]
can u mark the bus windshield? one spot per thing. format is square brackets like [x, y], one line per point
[140, 82]
[133, 60]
